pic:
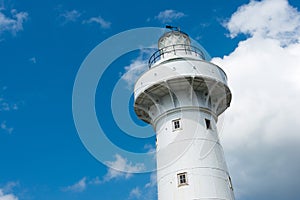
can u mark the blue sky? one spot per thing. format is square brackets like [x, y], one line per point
[43, 44]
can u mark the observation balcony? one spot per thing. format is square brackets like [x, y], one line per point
[176, 50]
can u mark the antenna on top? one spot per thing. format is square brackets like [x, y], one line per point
[173, 28]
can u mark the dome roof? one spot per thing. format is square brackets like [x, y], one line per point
[173, 38]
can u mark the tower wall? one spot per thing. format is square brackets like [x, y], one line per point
[192, 149]
[181, 96]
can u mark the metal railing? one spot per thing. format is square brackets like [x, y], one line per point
[177, 49]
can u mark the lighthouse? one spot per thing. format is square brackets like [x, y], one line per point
[181, 96]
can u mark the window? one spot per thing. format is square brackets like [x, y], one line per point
[176, 124]
[208, 124]
[230, 183]
[182, 179]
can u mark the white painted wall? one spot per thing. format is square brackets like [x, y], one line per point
[192, 90]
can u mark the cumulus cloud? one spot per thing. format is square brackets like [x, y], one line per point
[9, 186]
[136, 67]
[169, 15]
[121, 168]
[98, 20]
[79, 186]
[261, 134]
[12, 22]
[147, 192]
[82, 184]
[4, 196]
[269, 18]
[6, 192]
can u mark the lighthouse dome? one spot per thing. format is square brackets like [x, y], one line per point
[173, 38]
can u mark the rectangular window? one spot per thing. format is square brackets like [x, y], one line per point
[182, 179]
[176, 124]
[230, 183]
[208, 124]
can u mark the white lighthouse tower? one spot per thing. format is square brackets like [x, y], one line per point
[181, 96]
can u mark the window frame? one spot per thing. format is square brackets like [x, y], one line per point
[182, 176]
[208, 124]
[230, 183]
[174, 124]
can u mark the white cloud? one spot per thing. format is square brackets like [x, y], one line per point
[75, 15]
[82, 184]
[269, 18]
[6, 193]
[4, 127]
[8, 187]
[168, 16]
[135, 193]
[152, 182]
[4, 196]
[4, 106]
[150, 148]
[79, 186]
[261, 134]
[7, 106]
[134, 70]
[121, 168]
[70, 16]
[95, 181]
[137, 66]
[98, 20]
[12, 22]
[148, 192]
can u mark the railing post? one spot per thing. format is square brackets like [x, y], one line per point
[174, 49]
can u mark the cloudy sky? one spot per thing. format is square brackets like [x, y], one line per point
[44, 43]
